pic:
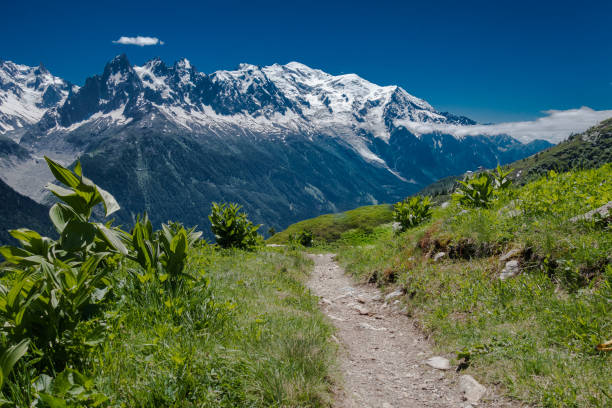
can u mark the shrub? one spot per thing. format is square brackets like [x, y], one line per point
[500, 178]
[231, 227]
[162, 254]
[412, 212]
[56, 285]
[302, 238]
[476, 192]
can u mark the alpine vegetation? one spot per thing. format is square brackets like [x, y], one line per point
[412, 212]
[105, 317]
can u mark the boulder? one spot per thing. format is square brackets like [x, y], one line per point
[362, 310]
[394, 294]
[511, 269]
[472, 390]
[510, 254]
[604, 211]
[439, 256]
[439, 363]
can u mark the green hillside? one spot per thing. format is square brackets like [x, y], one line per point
[587, 150]
[332, 227]
[535, 333]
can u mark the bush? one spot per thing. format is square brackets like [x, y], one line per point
[302, 238]
[412, 212]
[54, 288]
[162, 254]
[500, 178]
[476, 192]
[231, 227]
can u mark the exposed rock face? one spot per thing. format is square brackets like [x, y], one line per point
[510, 254]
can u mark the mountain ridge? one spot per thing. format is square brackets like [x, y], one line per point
[286, 141]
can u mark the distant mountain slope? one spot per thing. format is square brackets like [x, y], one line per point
[18, 211]
[288, 142]
[27, 93]
[587, 150]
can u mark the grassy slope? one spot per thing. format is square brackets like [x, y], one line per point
[590, 149]
[535, 334]
[331, 227]
[252, 338]
[587, 150]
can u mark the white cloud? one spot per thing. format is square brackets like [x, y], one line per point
[556, 126]
[140, 41]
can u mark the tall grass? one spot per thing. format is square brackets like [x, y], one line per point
[245, 333]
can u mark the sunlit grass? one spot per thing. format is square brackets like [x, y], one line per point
[533, 335]
[252, 337]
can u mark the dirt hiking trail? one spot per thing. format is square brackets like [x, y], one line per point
[382, 353]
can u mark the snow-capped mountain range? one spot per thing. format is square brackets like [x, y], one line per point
[26, 93]
[303, 114]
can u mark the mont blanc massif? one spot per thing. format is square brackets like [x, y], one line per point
[287, 142]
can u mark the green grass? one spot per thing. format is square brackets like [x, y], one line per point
[245, 333]
[331, 227]
[253, 337]
[533, 335]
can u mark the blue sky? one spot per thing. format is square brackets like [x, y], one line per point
[494, 61]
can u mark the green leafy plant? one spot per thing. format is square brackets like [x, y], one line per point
[231, 227]
[412, 212]
[56, 284]
[476, 192]
[500, 178]
[163, 253]
[303, 238]
[9, 357]
[69, 388]
[175, 242]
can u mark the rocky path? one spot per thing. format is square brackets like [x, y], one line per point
[383, 356]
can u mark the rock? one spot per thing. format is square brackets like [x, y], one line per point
[510, 254]
[445, 204]
[386, 405]
[604, 211]
[471, 389]
[394, 294]
[438, 362]
[361, 299]
[439, 256]
[362, 310]
[324, 301]
[510, 270]
[377, 297]
[370, 327]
